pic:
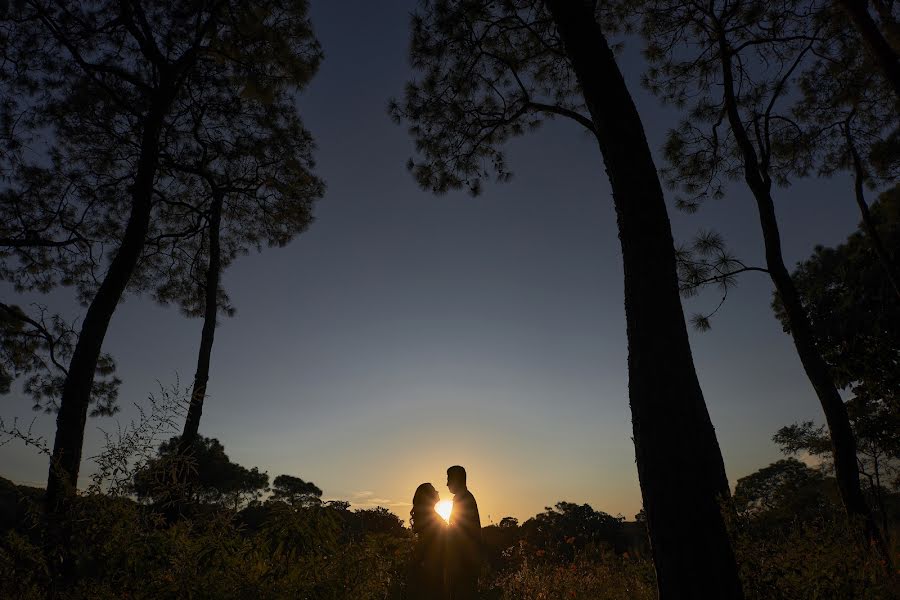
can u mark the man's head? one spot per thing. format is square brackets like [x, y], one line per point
[456, 479]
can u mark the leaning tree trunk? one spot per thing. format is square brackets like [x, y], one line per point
[201, 377]
[879, 48]
[887, 264]
[679, 462]
[843, 441]
[65, 461]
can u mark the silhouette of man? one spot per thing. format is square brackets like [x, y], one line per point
[464, 538]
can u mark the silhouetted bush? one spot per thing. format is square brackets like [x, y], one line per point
[124, 549]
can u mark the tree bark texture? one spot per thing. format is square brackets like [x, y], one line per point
[211, 289]
[680, 467]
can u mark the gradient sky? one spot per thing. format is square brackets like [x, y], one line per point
[404, 332]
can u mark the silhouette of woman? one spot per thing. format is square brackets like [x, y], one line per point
[426, 578]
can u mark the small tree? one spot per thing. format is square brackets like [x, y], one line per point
[566, 527]
[508, 523]
[295, 491]
[784, 491]
[378, 520]
[216, 479]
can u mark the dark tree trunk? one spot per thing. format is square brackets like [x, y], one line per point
[843, 441]
[680, 466]
[211, 289]
[885, 56]
[65, 461]
[890, 270]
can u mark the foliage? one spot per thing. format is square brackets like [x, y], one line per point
[795, 76]
[488, 72]
[853, 311]
[785, 491]
[794, 541]
[379, 520]
[809, 559]
[124, 549]
[248, 145]
[847, 109]
[878, 448]
[705, 262]
[770, 91]
[562, 530]
[601, 576]
[852, 308]
[295, 491]
[877, 430]
[115, 111]
[37, 347]
[205, 475]
[131, 449]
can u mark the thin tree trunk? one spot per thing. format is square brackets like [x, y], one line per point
[201, 377]
[679, 462]
[879, 498]
[877, 45]
[843, 441]
[890, 270]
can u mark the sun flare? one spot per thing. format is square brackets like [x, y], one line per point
[443, 508]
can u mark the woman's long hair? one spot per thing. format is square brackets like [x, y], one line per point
[423, 506]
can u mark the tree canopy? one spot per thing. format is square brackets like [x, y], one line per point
[215, 478]
[295, 491]
[783, 491]
[853, 308]
[490, 71]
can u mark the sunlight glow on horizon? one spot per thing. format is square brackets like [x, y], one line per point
[444, 508]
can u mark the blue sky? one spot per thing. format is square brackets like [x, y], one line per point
[406, 332]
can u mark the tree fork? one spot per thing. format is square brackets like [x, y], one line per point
[680, 466]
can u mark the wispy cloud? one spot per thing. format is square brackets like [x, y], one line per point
[376, 501]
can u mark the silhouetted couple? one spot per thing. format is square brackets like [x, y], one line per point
[447, 556]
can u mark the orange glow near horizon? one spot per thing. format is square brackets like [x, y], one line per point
[444, 508]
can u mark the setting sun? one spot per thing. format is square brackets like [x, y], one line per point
[443, 508]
